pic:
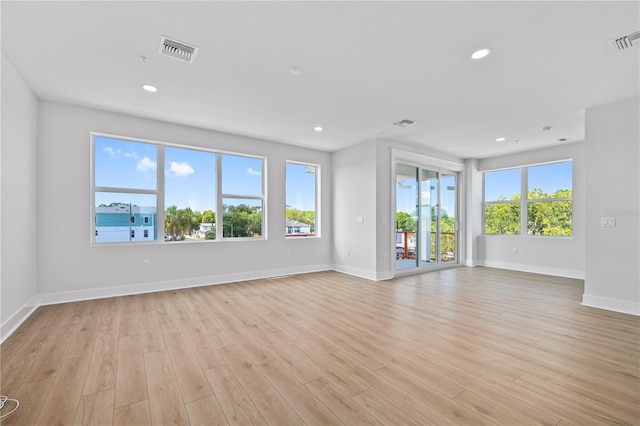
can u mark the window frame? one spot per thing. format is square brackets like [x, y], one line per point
[524, 200]
[317, 201]
[159, 191]
[221, 196]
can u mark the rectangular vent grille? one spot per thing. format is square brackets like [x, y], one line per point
[625, 42]
[177, 49]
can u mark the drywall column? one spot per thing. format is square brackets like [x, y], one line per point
[18, 279]
[612, 278]
[354, 210]
[473, 213]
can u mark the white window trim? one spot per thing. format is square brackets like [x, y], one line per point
[318, 173]
[159, 191]
[524, 199]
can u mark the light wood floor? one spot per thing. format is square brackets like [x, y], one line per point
[463, 346]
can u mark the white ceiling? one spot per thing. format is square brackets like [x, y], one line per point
[366, 65]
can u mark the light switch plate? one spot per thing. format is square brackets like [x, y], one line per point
[607, 221]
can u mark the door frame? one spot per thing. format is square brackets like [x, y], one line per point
[441, 166]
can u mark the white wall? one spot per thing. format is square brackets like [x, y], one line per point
[473, 214]
[613, 253]
[546, 255]
[18, 226]
[70, 269]
[354, 196]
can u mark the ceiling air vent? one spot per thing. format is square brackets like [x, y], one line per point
[625, 42]
[404, 123]
[177, 49]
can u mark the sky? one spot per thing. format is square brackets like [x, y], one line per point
[190, 175]
[548, 177]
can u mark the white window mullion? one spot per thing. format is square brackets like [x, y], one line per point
[524, 198]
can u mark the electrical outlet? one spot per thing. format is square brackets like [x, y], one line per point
[348, 252]
[288, 253]
[145, 264]
[514, 251]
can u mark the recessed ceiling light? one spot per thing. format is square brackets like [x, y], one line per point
[318, 129]
[481, 53]
[150, 88]
[501, 139]
[296, 71]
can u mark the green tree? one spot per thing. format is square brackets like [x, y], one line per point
[242, 221]
[180, 222]
[502, 218]
[405, 221]
[553, 218]
[208, 216]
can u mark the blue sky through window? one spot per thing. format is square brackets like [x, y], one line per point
[189, 179]
[189, 174]
[125, 164]
[548, 177]
[551, 177]
[301, 187]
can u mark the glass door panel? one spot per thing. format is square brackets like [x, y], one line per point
[448, 219]
[429, 216]
[406, 216]
[426, 217]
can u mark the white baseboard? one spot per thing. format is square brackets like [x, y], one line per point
[361, 273]
[151, 287]
[617, 305]
[12, 324]
[558, 272]
[382, 276]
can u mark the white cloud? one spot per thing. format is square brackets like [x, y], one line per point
[131, 155]
[181, 169]
[146, 164]
[111, 152]
[253, 172]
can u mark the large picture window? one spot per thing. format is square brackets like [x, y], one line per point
[301, 199]
[134, 200]
[533, 200]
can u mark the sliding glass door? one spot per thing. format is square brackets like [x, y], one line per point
[426, 217]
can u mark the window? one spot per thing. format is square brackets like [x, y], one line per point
[301, 199]
[549, 200]
[125, 186]
[533, 200]
[189, 192]
[502, 202]
[191, 186]
[242, 196]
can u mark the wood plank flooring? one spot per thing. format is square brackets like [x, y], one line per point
[465, 346]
